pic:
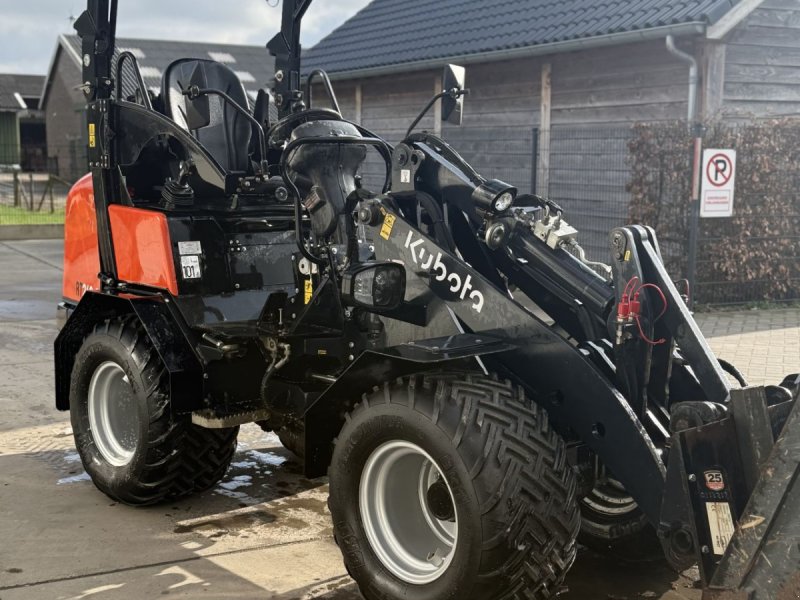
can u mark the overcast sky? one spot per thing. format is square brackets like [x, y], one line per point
[28, 30]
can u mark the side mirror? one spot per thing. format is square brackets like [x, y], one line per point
[377, 286]
[453, 80]
[198, 107]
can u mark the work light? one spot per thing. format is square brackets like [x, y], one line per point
[494, 196]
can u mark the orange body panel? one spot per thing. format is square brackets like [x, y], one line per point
[142, 247]
[81, 256]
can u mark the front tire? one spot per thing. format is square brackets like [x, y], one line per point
[135, 451]
[454, 486]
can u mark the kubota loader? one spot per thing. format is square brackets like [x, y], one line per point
[477, 391]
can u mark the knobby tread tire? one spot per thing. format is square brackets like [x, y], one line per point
[174, 458]
[517, 468]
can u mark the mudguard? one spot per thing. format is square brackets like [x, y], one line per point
[324, 418]
[169, 340]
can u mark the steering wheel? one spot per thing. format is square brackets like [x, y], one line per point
[282, 130]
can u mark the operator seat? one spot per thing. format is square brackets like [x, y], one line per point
[227, 136]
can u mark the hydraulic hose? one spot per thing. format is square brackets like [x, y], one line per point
[733, 372]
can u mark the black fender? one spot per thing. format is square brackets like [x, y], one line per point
[162, 327]
[325, 416]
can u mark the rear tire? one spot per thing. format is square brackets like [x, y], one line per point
[479, 498]
[128, 441]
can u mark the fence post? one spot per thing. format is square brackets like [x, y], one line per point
[543, 180]
[30, 182]
[535, 161]
[16, 189]
[698, 131]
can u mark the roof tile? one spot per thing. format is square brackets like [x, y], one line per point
[387, 32]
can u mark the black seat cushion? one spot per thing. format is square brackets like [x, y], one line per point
[227, 137]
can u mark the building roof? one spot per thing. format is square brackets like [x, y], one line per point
[14, 88]
[252, 64]
[388, 32]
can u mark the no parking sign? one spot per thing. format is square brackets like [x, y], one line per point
[719, 183]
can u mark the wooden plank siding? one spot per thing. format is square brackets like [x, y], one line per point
[619, 85]
[762, 70]
[501, 115]
[388, 106]
[596, 96]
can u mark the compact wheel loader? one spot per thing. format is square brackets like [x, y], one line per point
[478, 392]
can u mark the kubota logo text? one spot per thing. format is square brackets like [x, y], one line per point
[462, 287]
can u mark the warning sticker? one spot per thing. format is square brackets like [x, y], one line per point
[92, 136]
[190, 267]
[190, 248]
[720, 523]
[309, 291]
[388, 224]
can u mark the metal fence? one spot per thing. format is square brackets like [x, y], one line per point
[34, 191]
[587, 172]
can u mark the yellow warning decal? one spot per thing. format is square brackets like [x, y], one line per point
[309, 291]
[628, 256]
[322, 352]
[388, 224]
[92, 136]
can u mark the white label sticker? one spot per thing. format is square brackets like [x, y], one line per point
[189, 248]
[405, 176]
[190, 265]
[720, 522]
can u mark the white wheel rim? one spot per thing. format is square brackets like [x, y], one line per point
[401, 525]
[113, 414]
[609, 496]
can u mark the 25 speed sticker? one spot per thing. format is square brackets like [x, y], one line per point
[714, 481]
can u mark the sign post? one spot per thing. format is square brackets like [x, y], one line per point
[719, 183]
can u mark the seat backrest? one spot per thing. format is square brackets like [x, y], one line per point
[227, 136]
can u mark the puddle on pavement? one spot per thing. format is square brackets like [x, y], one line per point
[228, 524]
[74, 478]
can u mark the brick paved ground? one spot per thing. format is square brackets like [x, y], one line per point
[763, 344]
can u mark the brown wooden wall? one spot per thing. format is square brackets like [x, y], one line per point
[762, 64]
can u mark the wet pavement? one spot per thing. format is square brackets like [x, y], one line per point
[263, 532]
